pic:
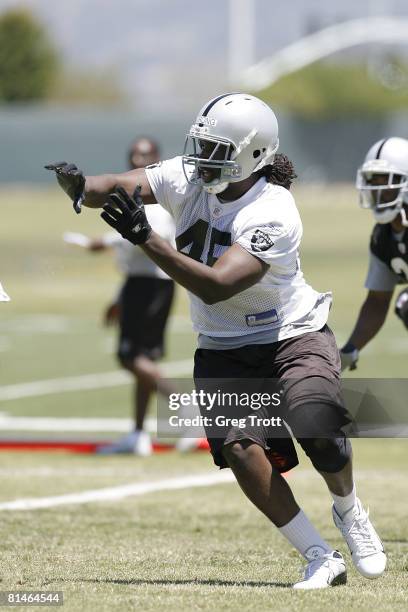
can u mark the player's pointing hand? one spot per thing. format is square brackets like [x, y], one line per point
[71, 179]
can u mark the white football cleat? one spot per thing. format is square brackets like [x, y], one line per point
[143, 444]
[136, 443]
[186, 444]
[367, 551]
[323, 572]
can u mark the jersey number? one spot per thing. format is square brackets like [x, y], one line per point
[399, 266]
[196, 236]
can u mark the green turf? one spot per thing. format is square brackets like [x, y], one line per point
[190, 549]
[204, 548]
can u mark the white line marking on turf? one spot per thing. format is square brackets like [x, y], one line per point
[86, 381]
[46, 471]
[11, 423]
[62, 324]
[114, 493]
[38, 324]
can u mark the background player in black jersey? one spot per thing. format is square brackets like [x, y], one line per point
[382, 181]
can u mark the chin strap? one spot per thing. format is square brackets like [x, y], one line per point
[269, 157]
[215, 189]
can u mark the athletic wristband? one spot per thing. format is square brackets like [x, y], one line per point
[348, 348]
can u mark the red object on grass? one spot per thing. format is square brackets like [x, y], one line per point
[75, 447]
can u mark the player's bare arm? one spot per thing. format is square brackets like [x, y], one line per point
[98, 188]
[371, 317]
[93, 191]
[235, 271]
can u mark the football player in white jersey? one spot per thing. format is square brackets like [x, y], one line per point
[238, 234]
[144, 304]
[141, 308]
[382, 182]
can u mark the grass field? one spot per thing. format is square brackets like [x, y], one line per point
[193, 548]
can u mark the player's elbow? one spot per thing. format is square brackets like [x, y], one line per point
[215, 292]
[213, 297]
[222, 286]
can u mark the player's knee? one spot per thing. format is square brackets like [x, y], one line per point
[137, 365]
[125, 362]
[238, 454]
[327, 454]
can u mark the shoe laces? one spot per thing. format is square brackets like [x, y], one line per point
[363, 534]
[316, 566]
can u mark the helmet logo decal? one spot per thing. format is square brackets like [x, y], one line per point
[245, 142]
[207, 121]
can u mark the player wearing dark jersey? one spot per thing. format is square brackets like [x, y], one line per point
[238, 235]
[383, 185]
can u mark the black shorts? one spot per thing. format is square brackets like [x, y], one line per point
[145, 304]
[307, 369]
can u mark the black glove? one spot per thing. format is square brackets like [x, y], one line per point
[71, 180]
[130, 220]
[401, 307]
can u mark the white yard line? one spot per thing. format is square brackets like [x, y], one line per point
[86, 381]
[37, 324]
[62, 324]
[12, 423]
[115, 493]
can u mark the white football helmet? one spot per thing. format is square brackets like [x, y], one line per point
[243, 132]
[382, 180]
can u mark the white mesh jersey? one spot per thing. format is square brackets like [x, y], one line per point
[266, 223]
[130, 259]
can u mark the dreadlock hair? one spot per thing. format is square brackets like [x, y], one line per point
[281, 172]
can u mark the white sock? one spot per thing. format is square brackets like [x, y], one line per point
[344, 504]
[304, 537]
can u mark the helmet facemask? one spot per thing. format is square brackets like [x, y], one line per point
[382, 189]
[223, 156]
[209, 157]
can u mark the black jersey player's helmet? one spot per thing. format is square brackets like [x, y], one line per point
[382, 180]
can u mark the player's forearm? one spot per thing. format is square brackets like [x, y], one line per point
[369, 323]
[98, 188]
[194, 276]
